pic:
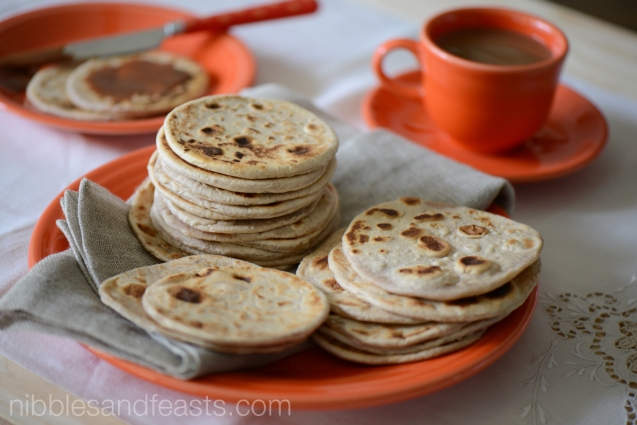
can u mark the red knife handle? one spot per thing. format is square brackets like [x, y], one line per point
[253, 14]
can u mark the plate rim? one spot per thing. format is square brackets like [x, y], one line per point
[370, 397]
[124, 127]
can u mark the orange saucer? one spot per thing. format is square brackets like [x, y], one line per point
[229, 63]
[574, 135]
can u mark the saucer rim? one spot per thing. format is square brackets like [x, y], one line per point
[576, 162]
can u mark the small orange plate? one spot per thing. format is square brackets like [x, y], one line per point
[576, 132]
[229, 63]
[313, 379]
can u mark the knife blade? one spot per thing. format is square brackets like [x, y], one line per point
[139, 41]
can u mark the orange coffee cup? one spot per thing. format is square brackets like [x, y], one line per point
[499, 92]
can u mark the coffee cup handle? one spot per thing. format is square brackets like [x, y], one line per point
[410, 90]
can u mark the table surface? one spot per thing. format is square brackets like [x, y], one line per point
[586, 218]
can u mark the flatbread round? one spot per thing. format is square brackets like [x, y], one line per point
[211, 247]
[210, 193]
[213, 210]
[139, 220]
[160, 245]
[499, 301]
[46, 91]
[347, 352]
[305, 242]
[250, 138]
[172, 161]
[138, 85]
[377, 335]
[232, 302]
[437, 251]
[123, 293]
[392, 339]
[299, 223]
[314, 268]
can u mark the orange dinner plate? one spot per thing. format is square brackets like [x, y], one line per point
[228, 61]
[313, 379]
[576, 132]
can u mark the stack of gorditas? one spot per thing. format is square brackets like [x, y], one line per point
[410, 280]
[240, 177]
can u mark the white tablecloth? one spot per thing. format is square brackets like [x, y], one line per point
[576, 362]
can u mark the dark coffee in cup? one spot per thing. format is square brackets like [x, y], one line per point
[493, 46]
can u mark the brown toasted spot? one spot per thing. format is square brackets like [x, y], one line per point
[246, 195]
[410, 201]
[332, 284]
[472, 231]
[358, 225]
[434, 246]
[397, 334]
[134, 290]
[251, 118]
[429, 217]
[500, 292]
[382, 251]
[315, 299]
[386, 211]
[363, 238]
[321, 262]
[242, 141]
[462, 301]
[384, 226]
[300, 150]
[356, 251]
[381, 238]
[196, 324]
[213, 106]
[421, 270]
[486, 221]
[528, 243]
[243, 278]
[147, 229]
[256, 106]
[206, 272]
[472, 261]
[252, 162]
[312, 127]
[283, 303]
[412, 233]
[210, 150]
[239, 155]
[187, 295]
[472, 265]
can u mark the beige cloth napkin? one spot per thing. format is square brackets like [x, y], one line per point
[59, 295]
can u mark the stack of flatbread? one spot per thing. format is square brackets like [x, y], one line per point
[219, 303]
[410, 280]
[241, 177]
[117, 88]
